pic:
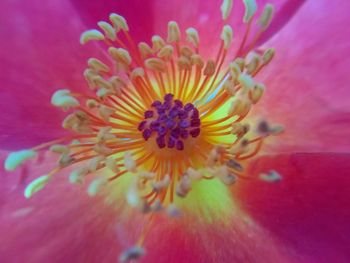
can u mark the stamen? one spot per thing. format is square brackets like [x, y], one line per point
[250, 9]
[36, 185]
[226, 8]
[15, 159]
[266, 16]
[90, 35]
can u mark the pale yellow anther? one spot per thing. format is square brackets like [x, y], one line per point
[239, 107]
[173, 32]
[194, 174]
[108, 30]
[224, 175]
[246, 81]
[158, 42]
[197, 60]
[256, 93]
[266, 16]
[65, 160]
[94, 163]
[112, 164]
[265, 129]
[102, 83]
[102, 149]
[166, 52]
[270, 177]
[89, 35]
[192, 36]
[36, 185]
[268, 56]
[91, 103]
[15, 159]
[186, 51]
[239, 129]
[162, 184]
[120, 55]
[226, 8]
[145, 50]
[137, 73]
[104, 134]
[253, 64]
[77, 175]
[184, 186]
[209, 69]
[250, 9]
[155, 64]
[184, 63]
[129, 163]
[226, 36]
[212, 158]
[119, 22]
[234, 70]
[229, 87]
[106, 112]
[89, 75]
[63, 99]
[102, 93]
[240, 62]
[146, 175]
[59, 148]
[118, 85]
[97, 65]
[132, 254]
[95, 186]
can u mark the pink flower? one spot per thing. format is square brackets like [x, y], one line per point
[289, 205]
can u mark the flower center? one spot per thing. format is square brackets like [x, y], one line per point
[170, 122]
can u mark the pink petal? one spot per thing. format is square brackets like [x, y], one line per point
[308, 80]
[61, 223]
[40, 52]
[309, 209]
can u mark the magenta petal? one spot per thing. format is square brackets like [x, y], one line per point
[308, 81]
[40, 52]
[309, 209]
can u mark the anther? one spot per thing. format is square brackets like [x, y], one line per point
[226, 8]
[158, 42]
[173, 32]
[119, 22]
[192, 36]
[268, 56]
[120, 55]
[145, 50]
[89, 35]
[256, 93]
[108, 30]
[266, 16]
[63, 99]
[166, 52]
[250, 9]
[271, 177]
[209, 69]
[36, 185]
[226, 36]
[15, 159]
[155, 64]
[129, 163]
[97, 65]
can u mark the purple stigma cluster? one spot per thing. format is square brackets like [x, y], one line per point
[171, 122]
